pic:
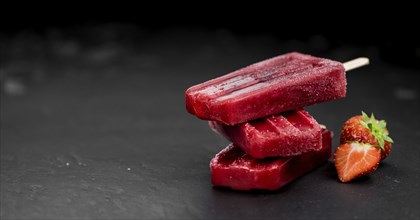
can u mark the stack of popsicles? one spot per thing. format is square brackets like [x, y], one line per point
[259, 109]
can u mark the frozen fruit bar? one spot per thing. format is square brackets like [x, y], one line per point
[287, 82]
[235, 169]
[286, 134]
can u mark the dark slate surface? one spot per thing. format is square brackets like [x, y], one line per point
[99, 136]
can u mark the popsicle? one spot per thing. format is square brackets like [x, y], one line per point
[286, 134]
[286, 82]
[237, 170]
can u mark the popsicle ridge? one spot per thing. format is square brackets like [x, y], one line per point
[286, 134]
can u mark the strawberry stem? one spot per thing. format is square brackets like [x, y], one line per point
[376, 128]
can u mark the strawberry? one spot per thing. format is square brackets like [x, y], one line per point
[355, 159]
[368, 130]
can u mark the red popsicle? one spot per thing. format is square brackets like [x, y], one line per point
[286, 134]
[235, 169]
[287, 82]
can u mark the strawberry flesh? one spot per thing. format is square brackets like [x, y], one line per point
[353, 160]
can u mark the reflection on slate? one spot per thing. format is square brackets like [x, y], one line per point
[93, 125]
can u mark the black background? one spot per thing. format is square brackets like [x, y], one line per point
[93, 120]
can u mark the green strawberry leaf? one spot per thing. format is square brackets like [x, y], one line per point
[382, 123]
[365, 117]
[381, 142]
[387, 138]
[372, 118]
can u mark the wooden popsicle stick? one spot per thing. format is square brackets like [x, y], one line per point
[356, 63]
